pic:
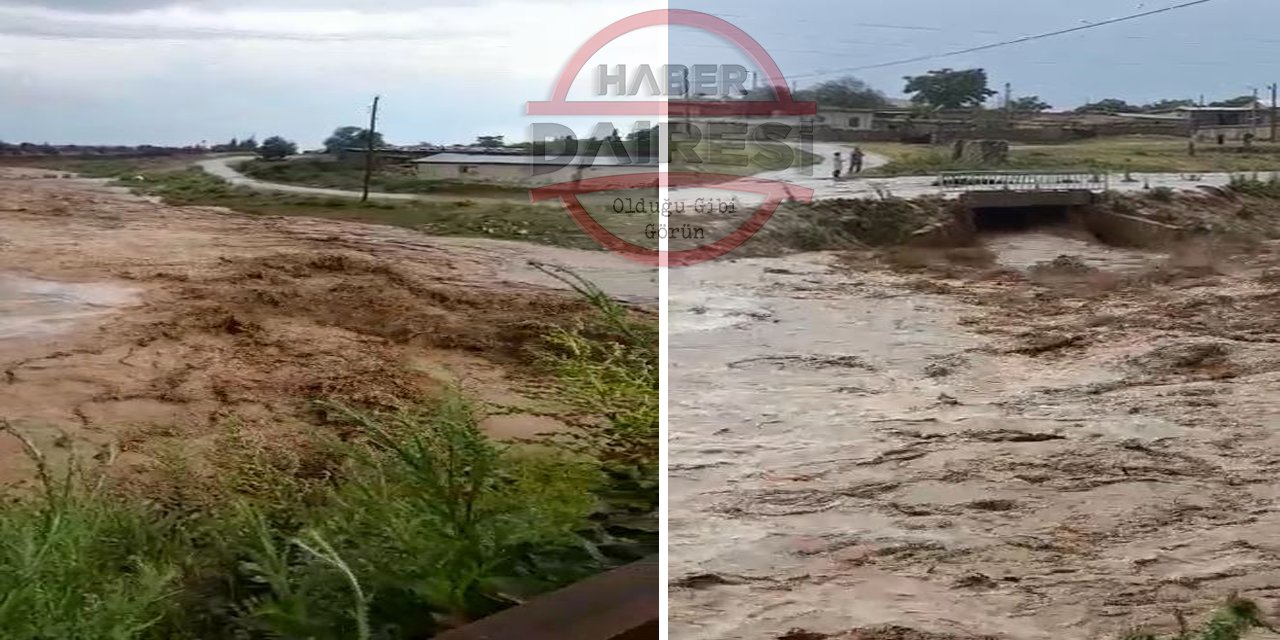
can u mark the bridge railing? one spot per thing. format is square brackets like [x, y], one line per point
[624, 604]
[1023, 180]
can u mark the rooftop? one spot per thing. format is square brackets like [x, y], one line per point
[482, 158]
[1258, 107]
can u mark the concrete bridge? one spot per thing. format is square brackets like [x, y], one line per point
[1014, 200]
[1024, 181]
[1023, 189]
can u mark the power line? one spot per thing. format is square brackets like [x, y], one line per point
[994, 45]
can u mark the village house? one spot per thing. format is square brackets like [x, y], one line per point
[846, 119]
[1226, 125]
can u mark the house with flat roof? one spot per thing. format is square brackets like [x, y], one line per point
[1223, 125]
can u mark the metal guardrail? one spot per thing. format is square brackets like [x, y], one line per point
[1024, 180]
[623, 604]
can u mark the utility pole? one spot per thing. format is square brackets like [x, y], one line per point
[371, 134]
[1253, 112]
[1275, 109]
[1008, 101]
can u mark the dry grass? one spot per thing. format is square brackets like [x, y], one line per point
[1144, 154]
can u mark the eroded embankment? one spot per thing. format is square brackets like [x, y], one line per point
[1152, 219]
[995, 441]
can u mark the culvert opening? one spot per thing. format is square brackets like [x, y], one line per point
[1008, 219]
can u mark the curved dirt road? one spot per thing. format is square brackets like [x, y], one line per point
[225, 168]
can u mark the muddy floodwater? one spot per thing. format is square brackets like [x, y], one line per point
[33, 308]
[851, 448]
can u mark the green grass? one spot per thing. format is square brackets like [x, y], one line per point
[332, 174]
[1142, 154]
[1231, 622]
[544, 224]
[106, 167]
[400, 523]
[1257, 186]
[741, 159]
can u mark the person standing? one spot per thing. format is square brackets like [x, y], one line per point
[837, 166]
[855, 160]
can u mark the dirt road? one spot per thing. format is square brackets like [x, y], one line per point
[225, 168]
[1038, 450]
[132, 324]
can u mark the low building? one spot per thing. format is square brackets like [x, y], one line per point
[845, 119]
[525, 170]
[1226, 125]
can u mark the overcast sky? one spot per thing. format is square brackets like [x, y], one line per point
[1219, 49]
[174, 72]
[180, 72]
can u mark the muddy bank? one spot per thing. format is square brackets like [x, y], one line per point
[1034, 447]
[139, 326]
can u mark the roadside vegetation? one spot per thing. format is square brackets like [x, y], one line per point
[388, 524]
[333, 174]
[1141, 154]
[462, 217]
[505, 214]
[1257, 185]
[738, 159]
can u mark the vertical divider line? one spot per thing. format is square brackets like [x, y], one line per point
[664, 387]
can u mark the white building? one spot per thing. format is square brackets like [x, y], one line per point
[846, 119]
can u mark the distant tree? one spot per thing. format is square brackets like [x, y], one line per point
[644, 141]
[949, 88]
[1110, 105]
[847, 92]
[1030, 104]
[351, 138]
[250, 145]
[277, 148]
[1168, 105]
[1240, 101]
[491, 142]
[762, 93]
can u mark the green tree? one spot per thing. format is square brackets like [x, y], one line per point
[949, 88]
[248, 145]
[1110, 105]
[847, 92]
[1239, 101]
[351, 138]
[277, 148]
[1168, 105]
[1030, 104]
[491, 142]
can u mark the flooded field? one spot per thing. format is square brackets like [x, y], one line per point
[148, 328]
[1009, 451]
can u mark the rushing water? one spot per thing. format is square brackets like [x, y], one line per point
[32, 308]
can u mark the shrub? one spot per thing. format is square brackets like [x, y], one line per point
[414, 523]
[1255, 186]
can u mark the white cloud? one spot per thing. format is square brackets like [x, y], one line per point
[202, 71]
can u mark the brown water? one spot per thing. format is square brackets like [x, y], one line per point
[847, 452]
[33, 308]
